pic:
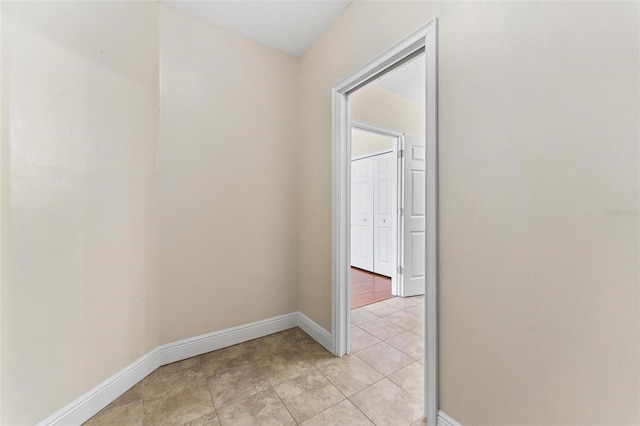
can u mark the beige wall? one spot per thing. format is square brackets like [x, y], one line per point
[79, 255]
[227, 179]
[538, 138]
[375, 105]
[364, 143]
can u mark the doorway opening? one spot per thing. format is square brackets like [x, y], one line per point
[410, 243]
[375, 189]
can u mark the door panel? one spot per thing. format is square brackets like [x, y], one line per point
[362, 213]
[414, 219]
[385, 206]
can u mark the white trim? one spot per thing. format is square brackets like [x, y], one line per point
[89, 404]
[431, 304]
[341, 158]
[362, 125]
[444, 420]
[340, 212]
[314, 330]
[373, 154]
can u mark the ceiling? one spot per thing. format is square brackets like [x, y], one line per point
[290, 26]
[407, 80]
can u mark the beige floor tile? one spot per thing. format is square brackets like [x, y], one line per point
[387, 404]
[401, 303]
[409, 343]
[215, 361]
[417, 311]
[381, 309]
[420, 331]
[124, 414]
[405, 320]
[283, 367]
[360, 339]
[411, 379]
[192, 363]
[361, 315]
[210, 419]
[382, 328]
[418, 299]
[308, 395]
[385, 358]
[165, 379]
[236, 382]
[313, 351]
[178, 406]
[349, 373]
[273, 344]
[420, 422]
[262, 409]
[295, 335]
[342, 414]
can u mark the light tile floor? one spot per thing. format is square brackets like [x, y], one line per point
[287, 378]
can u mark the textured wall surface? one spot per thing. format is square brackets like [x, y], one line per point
[79, 233]
[539, 137]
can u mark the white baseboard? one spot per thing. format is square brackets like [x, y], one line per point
[312, 328]
[89, 404]
[444, 420]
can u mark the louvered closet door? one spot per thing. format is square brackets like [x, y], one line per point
[362, 213]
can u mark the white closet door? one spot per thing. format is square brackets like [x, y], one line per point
[384, 189]
[362, 213]
[414, 233]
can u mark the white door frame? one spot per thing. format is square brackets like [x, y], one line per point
[425, 38]
[398, 146]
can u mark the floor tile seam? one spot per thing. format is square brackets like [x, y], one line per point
[221, 407]
[334, 385]
[283, 403]
[366, 321]
[362, 390]
[378, 371]
[400, 350]
[213, 403]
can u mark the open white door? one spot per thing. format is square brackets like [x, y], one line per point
[414, 218]
[362, 214]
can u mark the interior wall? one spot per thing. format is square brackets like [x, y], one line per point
[365, 143]
[376, 105]
[539, 191]
[79, 256]
[227, 179]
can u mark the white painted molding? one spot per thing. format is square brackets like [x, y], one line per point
[425, 38]
[444, 420]
[89, 404]
[318, 333]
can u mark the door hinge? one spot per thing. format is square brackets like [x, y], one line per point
[400, 269]
[401, 153]
[401, 211]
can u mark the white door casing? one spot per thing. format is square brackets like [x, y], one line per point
[414, 218]
[362, 214]
[425, 39]
[385, 208]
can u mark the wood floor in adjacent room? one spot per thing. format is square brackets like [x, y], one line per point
[368, 288]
